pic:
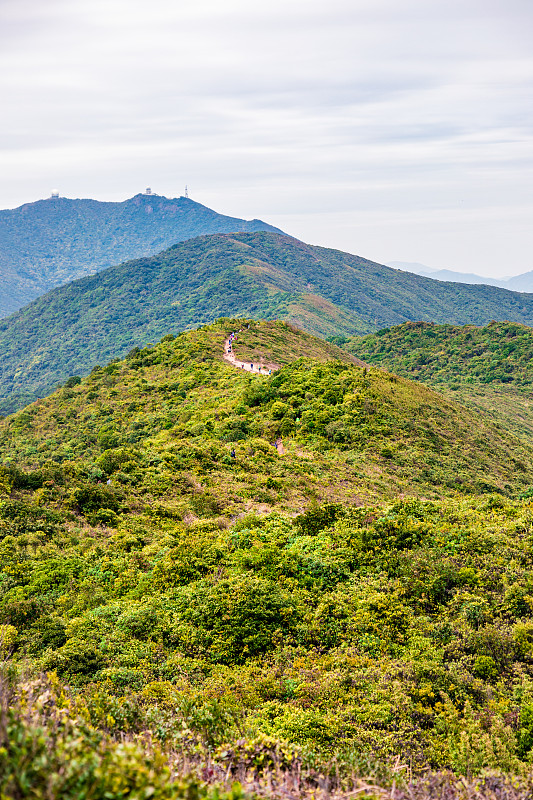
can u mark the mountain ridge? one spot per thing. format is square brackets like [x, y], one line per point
[51, 242]
[179, 590]
[517, 283]
[261, 275]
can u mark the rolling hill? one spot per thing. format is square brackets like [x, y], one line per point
[433, 444]
[263, 274]
[260, 275]
[320, 577]
[489, 368]
[51, 242]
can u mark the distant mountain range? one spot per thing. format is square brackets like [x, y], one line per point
[518, 283]
[51, 242]
[256, 275]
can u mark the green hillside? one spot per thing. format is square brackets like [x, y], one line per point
[488, 368]
[407, 437]
[51, 242]
[343, 602]
[260, 275]
[501, 352]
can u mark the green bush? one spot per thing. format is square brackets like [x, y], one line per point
[76, 658]
[240, 618]
[87, 499]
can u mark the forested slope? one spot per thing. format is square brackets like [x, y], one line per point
[263, 275]
[51, 242]
[489, 368]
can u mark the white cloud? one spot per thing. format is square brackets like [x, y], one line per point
[388, 129]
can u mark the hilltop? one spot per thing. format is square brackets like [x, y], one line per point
[501, 352]
[489, 368]
[180, 397]
[261, 275]
[315, 614]
[51, 242]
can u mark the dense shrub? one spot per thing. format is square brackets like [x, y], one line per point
[238, 619]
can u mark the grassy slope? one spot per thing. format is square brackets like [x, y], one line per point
[51, 242]
[184, 599]
[489, 368]
[273, 344]
[258, 274]
[346, 431]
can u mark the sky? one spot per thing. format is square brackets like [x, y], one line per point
[393, 130]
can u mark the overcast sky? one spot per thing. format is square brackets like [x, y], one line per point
[393, 130]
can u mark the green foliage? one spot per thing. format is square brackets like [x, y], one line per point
[318, 601]
[161, 424]
[501, 352]
[36, 259]
[343, 624]
[240, 618]
[49, 749]
[8, 637]
[488, 368]
[88, 498]
[258, 274]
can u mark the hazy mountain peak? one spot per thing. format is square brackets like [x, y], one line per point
[50, 242]
[516, 283]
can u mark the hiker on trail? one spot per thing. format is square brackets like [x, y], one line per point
[252, 367]
[233, 453]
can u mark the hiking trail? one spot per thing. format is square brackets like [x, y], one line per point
[248, 366]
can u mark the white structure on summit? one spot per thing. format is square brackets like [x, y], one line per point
[55, 194]
[148, 190]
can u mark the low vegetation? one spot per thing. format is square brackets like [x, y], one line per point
[489, 368]
[349, 612]
[499, 353]
[261, 275]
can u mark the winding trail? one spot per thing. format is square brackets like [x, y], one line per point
[258, 369]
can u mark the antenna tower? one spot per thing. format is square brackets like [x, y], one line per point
[186, 192]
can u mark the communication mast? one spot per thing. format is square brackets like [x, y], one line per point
[186, 192]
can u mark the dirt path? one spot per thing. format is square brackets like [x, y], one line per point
[259, 369]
